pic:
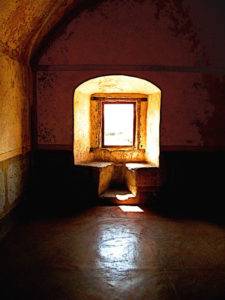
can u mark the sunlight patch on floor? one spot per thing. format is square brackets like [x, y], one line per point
[130, 208]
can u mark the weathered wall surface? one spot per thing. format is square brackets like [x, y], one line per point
[15, 141]
[23, 24]
[185, 111]
[14, 178]
[15, 95]
[161, 41]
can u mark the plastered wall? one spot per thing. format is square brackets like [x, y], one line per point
[23, 24]
[15, 140]
[15, 95]
[163, 42]
[185, 101]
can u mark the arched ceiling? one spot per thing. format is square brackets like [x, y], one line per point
[24, 23]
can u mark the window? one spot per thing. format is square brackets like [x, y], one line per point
[118, 124]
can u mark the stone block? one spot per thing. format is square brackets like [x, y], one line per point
[130, 179]
[105, 177]
[148, 177]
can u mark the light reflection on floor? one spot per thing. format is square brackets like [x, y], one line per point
[103, 253]
[118, 249]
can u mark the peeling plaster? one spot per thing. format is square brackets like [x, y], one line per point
[181, 24]
[98, 32]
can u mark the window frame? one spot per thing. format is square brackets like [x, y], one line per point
[110, 102]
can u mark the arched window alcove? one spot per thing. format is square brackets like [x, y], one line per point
[116, 132]
[92, 98]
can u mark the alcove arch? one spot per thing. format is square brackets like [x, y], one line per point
[118, 84]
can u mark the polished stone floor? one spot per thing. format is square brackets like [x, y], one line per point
[105, 253]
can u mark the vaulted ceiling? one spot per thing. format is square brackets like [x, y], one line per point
[24, 23]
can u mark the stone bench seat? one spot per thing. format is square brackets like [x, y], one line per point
[140, 179]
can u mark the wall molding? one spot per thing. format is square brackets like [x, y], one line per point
[144, 68]
[14, 152]
[58, 147]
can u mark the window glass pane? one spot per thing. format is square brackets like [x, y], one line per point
[118, 124]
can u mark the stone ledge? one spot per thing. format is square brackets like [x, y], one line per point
[137, 166]
[95, 164]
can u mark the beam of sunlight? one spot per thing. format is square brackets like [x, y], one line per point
[130, 208]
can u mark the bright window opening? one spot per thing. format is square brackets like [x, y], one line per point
[118, 124]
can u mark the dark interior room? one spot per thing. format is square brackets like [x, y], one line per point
[112, 149]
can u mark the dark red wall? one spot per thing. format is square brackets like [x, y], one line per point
[178, 45]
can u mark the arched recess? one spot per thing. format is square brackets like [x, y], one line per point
[119, 84]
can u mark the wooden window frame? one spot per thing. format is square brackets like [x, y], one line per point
[134, 123]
